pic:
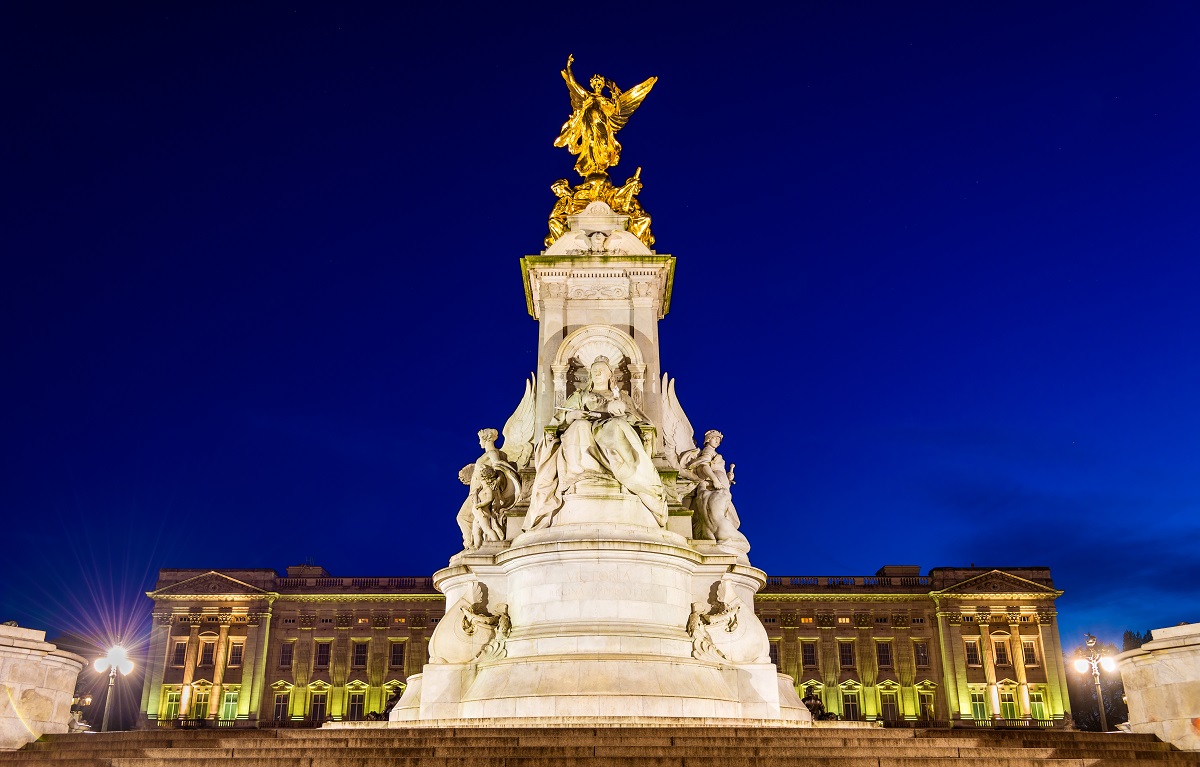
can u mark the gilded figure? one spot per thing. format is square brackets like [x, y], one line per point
[590, 132]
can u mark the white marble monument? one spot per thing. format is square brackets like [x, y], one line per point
[603, 574]
[1162, 685]
[37, 681]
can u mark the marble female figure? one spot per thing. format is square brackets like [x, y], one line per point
[594, 438]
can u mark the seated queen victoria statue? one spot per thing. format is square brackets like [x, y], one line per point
[594, 436]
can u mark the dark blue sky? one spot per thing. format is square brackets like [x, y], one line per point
[937, 281]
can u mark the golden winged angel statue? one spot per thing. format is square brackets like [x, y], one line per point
[591, 131]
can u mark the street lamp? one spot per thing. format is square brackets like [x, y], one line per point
[116, 660]
[1093, 662]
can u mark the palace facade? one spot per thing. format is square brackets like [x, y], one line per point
[965, 646]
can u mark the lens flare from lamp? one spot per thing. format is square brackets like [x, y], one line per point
[117, 658]
[1108, 664]
[1082, 666]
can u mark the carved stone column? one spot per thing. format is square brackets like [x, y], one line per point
[1056, 672]
[254, 664]
[637, 384]
[214, 698]
[954, 664]
[160, 637]
[560, 384]
[189, 667]
[989, 665]
[1018, 661]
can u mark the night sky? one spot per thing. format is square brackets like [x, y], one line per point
[937, 282]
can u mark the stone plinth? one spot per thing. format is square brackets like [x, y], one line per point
[1162, 685]
[38, 681]
[601, 626]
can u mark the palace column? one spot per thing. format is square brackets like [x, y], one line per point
[189, 667]
[1056, 673]
[302, 667]
[254, 664]
[214, 699]
[954, 665]
[156, 661]
[989, 665]
[1018, 661]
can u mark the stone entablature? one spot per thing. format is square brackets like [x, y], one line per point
[928, 618]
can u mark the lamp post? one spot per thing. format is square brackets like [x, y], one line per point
[1093, 662]
[116, 660]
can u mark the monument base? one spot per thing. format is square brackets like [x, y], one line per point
[597, 618]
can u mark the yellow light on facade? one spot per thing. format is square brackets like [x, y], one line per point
[1082, 666]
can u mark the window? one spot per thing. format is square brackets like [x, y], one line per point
[888, 709]
[327, 620]
[770, 620]
[806, 619]
[179, 654]
[399, 619]
[235, 654]
[285, 654]
[921, 653]
[281, 705]
[881, 619]
[1008, 706]
[918, 621]
[317, 711]
[229, 706]
[207, 651]
[363, 621]
[359, 660]
[289, 621]
[1037, 708]
[323, 649]
[774, 653]
[979, 710]
[973, 653]
[844, 619]
[925, 706]
[355, 711]
[397, 655]
[171, 709]
[1029, 652]
[846, 654]
[808, 654]
[1001, 652]
[200, 705]
[850, 706]
[883, 654]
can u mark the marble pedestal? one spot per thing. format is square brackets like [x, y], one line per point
[599, 606]
[1162, 685]
[37, 681]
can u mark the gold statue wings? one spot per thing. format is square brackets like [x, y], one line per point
[591, 130]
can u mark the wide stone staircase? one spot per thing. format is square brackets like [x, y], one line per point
[682, 746]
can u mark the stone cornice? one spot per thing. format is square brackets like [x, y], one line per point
[625, 272]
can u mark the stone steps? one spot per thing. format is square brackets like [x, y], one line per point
[598, 747]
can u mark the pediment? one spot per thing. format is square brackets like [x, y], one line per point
[996, 582]
[211, 584]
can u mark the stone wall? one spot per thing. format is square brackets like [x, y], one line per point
[1162, 685]
[38, 682]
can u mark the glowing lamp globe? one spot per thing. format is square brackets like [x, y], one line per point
[1082, 666]
[117, 658]
[1108, 664]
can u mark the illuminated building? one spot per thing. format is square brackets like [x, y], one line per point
[972, 646]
